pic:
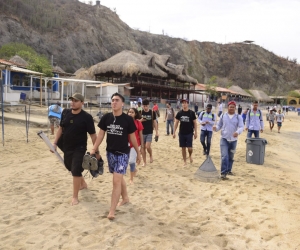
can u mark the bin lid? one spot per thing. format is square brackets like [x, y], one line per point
[249, 140]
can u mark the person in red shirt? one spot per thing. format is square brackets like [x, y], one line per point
[135, 114]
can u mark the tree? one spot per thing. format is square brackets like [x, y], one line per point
[36, 62]
[211, 87]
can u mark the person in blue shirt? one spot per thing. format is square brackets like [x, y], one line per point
[54, 116]
[231, 126]
[254, 121]
[206, 120]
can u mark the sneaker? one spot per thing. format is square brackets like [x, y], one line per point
[230, 173]
[86, 161]
[93, 162]
[223, 177]
[99, 171]
[89, 162]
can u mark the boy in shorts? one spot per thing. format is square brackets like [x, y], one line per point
[188, 128]
[117, 126]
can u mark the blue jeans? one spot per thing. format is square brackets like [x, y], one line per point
[255, 132]
[227, 154]
[208, 135]
[171, 123]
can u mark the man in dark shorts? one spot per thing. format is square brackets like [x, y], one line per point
[118, 127]
[74, 125]
[149, 122]
[188, 128]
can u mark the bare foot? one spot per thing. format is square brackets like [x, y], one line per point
[74, 202]
[144, 164]
[111, 216]
[123, 202]
[191, 159]
[135, 173]
[83, 187]
[184, 164]
[130, 182]
[151, 159]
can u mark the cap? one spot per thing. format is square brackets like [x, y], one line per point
[184, 100]
[77, 96]
[232, 103]
[208, 106]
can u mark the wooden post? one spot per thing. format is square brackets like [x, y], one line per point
[41, 89]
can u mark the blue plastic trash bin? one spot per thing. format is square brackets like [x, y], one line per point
[23, 96]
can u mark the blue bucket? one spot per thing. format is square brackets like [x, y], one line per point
[23, 96]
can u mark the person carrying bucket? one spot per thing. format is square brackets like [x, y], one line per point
[206, 120]
[231, 126]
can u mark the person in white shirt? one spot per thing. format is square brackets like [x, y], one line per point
[220, 109]
[279, 120]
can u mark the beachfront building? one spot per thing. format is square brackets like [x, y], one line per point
[21, 83]
[149, 74]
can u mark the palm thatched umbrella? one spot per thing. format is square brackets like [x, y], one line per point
[19, 61]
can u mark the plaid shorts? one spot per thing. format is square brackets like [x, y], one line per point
[54, 121]
[117, 163]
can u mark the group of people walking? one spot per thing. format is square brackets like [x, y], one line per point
[129, 137]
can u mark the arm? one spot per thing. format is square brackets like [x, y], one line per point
[155, 127]
[136, 147]
[247, 120]
[195, 129]
[175, 127]
[240, 128]
[57, 136]
[94, 138]
[98, 141]
[165, 116]
[141, 138]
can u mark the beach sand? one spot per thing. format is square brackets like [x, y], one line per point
[169, 208]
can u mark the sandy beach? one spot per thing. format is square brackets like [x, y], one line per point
[169, 208]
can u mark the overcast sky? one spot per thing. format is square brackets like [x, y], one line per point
[274, 25]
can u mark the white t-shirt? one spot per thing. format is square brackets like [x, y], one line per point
[279, 117]
[221, 107]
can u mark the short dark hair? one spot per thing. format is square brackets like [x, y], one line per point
[255, 101]
[139, 103]
[119, 95]
[145, 102]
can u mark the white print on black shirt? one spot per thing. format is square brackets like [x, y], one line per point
[184, 119]
[114, 129]
[147, 117]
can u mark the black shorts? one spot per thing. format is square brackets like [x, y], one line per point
[186, 141]
[73, 161]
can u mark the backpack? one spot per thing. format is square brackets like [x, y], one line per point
[56, 109]
[259, 114]
[202, 113]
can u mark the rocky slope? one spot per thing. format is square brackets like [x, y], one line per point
[79, 35]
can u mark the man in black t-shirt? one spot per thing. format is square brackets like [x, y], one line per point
[118, 127]
[74, 125]
[149, 122]
[188, 128]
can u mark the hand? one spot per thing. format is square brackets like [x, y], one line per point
[215, 128]
[195, 136]
[261, 130]
[92, 152]
[235, 134]
[246, 129]
[55, 148]
[174, 135]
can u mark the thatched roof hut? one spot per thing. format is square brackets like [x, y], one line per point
[128, 63]
[19, 61]
[239, 90]
[176, 72]
[261, 96]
